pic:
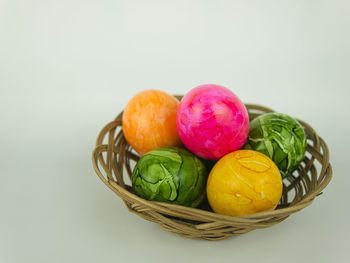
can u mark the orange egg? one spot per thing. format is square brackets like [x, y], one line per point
[244, 182]
[149, 121]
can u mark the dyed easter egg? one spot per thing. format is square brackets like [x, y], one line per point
[172, 175]
[149, 121]
[281, 138]
[212, 121]
[244, 182]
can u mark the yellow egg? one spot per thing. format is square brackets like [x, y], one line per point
[244, 182]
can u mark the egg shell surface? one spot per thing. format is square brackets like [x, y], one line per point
[172, 175]
[212, 121]
[149, 121]
[280, 137]
[244, 182]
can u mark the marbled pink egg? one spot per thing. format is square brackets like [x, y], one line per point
[212, 121]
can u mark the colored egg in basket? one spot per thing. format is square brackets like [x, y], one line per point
[244, 182]
[212, 121]
[279, 137]
[149, 121]
[170, 174]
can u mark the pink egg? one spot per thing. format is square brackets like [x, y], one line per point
[212, 121]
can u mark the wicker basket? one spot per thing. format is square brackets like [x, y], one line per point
[113, 158]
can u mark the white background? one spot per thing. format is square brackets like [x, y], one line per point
[68, 67]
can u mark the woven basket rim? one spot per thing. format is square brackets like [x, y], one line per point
[319, 152]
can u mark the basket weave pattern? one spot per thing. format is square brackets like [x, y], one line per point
[113, 159]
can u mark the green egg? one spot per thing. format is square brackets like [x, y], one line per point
[171, 175]
[280, 137]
